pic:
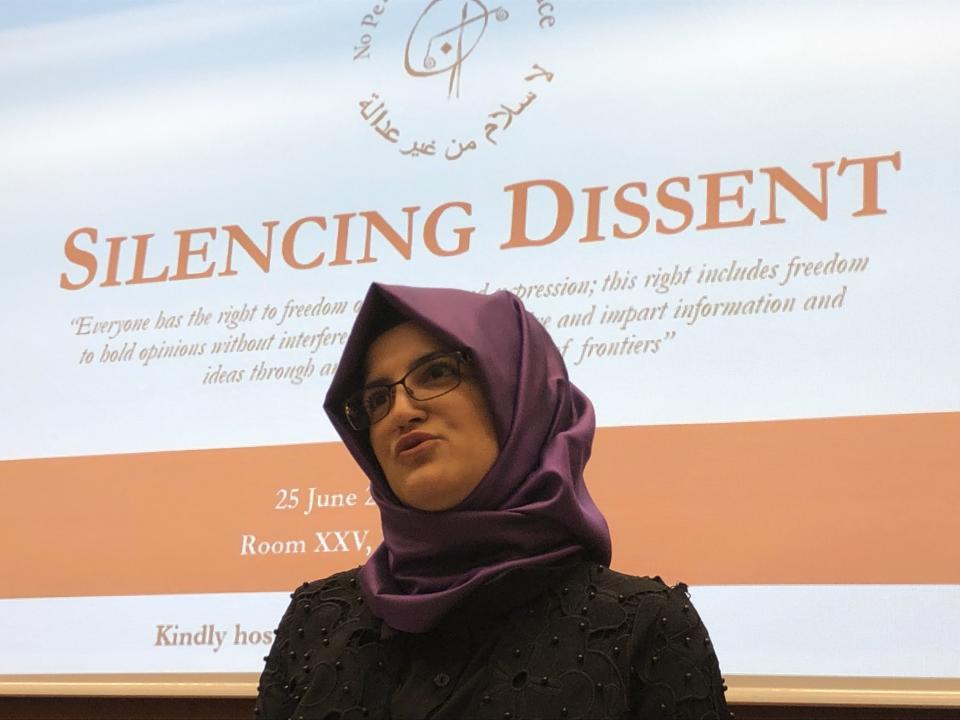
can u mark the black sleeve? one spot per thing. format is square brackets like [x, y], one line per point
[274, 701]
[675, 673]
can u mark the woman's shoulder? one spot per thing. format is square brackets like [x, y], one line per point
[592, 576]
[662, 616]
[672, 655]
[635, 583]
[657, 604]
[343, 581]
[324, 620]
[636, 605]
[329, 601]
[651, 591]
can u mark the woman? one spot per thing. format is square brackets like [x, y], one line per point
[490, 596]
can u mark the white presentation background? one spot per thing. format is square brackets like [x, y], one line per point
[153, 117]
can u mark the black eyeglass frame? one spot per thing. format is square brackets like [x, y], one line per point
[354, 419]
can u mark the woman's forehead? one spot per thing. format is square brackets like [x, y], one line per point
[391, 354]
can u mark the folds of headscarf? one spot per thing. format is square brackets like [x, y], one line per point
[532, 508]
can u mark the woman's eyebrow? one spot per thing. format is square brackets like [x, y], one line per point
[381, 380]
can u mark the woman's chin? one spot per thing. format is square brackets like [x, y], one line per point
[426, 491]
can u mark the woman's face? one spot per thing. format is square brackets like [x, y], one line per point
[457, 443]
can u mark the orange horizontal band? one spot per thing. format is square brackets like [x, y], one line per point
[858, 500]
[839, 500]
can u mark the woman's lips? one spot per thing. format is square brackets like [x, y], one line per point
[418, 449]
[413, 442]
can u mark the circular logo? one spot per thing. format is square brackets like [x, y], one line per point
[451, 36]
[451, 68]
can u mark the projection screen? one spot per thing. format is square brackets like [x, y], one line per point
[736, 219]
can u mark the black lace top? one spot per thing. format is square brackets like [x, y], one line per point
[578, 641]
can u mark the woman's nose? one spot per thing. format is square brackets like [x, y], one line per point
[405, 409]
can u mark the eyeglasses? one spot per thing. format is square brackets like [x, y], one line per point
[435, 375]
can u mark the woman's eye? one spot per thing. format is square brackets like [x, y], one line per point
[376, 398]
[437, 371]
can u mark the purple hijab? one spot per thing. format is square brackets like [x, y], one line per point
[531, 509]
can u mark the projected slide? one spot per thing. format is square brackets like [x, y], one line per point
[737, 221]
